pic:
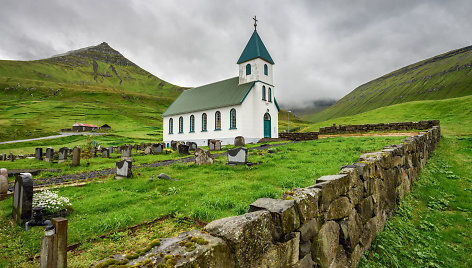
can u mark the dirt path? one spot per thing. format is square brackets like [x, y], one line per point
[62, 134]
[394, 134]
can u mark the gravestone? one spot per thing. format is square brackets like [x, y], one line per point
[126, 153]
[76, 156]
[192, 146]
[4, 157]
[203, 157]
[173, 145]
[105, 153]
[63, 152]
[136, 147]
[183, 149]
[239, 141]
[12, 157]
[23, 198]
[143, 146]
[110, 149]
[49, 154]
[1, 157]
[147, 150]
[3, 181]
[157, 148]
[123, 169]
[118, 149]
[214, 145]
[237, 156]
[38, 154]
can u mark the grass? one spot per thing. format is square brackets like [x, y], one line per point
[432, 227]
[441, 77]
[202, 192]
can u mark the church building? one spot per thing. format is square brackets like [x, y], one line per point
[244, 105]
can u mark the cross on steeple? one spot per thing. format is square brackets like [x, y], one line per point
[255, 22]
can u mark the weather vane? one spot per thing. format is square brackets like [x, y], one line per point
[255, 22]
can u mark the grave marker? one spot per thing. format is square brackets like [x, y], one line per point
[3, 181]
[173, 145]
[23, 198]
[105, 153]
[147, 150]
[183, 149]
[123, 169]
[239, 141]
[126, 153]
[38, 154]
[63, 153]
[237, 156]
[49, 154]
[157, 148]
[214, 145]
[192, 146]
[203, 157]
[76, 156]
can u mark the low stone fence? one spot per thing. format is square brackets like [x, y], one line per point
[299, 136]
[340, 129]
[329, 224]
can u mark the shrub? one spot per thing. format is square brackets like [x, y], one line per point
[51, 201]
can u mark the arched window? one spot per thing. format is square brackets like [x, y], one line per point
[266, 69]
[263, 93]
[204, 122]
[270, 95]
[192, 123]
[171, 126]
[248, 69]
[217, 120]
[267, 117]
[181, 124]
[232, 118]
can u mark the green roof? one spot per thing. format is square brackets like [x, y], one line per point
[219, 94]
[255, 49]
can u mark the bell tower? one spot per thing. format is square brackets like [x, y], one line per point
[255, 63]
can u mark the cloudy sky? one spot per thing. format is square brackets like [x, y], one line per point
[322, 49]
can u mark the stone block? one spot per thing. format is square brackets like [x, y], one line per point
[338, 209]
[356, 256]
[350, 230]
[332, 186]
[366, 209]
[309, 229]
[249, 235]
[326, 244]
[340, 261]
[356, 188]
[284, 254]
[203, 157]
[305, 249]
[283, 212]
[306, 202]
[305, 262]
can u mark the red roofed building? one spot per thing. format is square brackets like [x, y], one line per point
[81, 127]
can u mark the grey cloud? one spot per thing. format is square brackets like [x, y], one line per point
[322, 49]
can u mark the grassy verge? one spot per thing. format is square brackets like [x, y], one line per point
[433, 226]
[202, 192]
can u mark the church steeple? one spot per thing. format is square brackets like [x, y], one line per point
[255, 63]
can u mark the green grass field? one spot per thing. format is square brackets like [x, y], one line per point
[202, 192]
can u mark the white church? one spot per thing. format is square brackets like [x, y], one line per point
[240, 106]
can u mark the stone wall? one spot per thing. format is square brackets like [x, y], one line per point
[340, 129]
[299, 136]
[329, 224]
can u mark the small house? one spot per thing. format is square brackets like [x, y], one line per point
[105, 127]
[81, 127]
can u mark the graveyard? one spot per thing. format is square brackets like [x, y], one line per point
[203, 193]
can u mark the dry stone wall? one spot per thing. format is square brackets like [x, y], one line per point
[329, 224]
[340, 129]
[299, 136]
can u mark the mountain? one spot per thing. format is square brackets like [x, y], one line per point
[95, 85]
[448, 75]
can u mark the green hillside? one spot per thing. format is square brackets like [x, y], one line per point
[455, 115]
[94, 85]
[448, 75]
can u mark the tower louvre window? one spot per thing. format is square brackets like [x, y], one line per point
[266, 69]
[248, 69]
[263, 93]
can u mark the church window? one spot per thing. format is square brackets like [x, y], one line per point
[171, 126]
[204, 122]
[217, 120]
[270, 95]
[232, 115]
[181, 124]
[248, 69]
[192, 123]
[266, 69]
[263, 93]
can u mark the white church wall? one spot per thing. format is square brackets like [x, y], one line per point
[257, 72]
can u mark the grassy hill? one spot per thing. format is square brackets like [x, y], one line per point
[448, 75]
[95, 85]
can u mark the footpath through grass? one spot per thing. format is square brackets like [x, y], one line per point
[433, 226]
[202, 192]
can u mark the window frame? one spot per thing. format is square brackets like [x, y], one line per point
[266, 69]
[269, 95]
[204, 122]
[217, 120]
[192, 123]
[181, 125]
[232, 116]
[171, 126]
[264, 93]
[248, 69]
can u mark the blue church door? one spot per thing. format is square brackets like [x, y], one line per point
[267, 125]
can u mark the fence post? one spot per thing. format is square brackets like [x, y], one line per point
[48, 250]
[60, 224]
